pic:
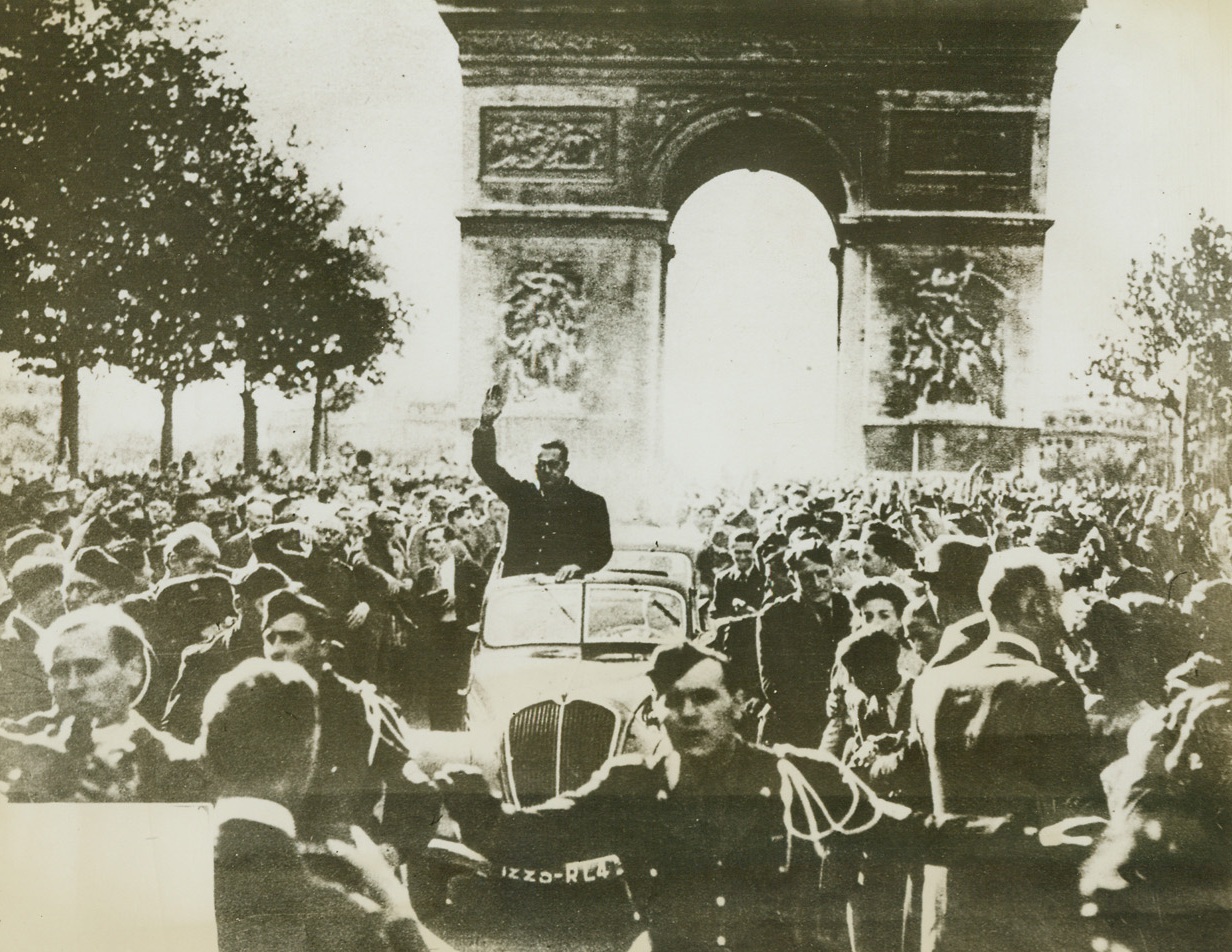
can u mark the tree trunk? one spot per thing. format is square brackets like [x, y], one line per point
[69, 447]
[252, 450]
[318, 426]
[166, 446]
[1186, 422]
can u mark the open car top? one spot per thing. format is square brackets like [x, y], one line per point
[603, 613]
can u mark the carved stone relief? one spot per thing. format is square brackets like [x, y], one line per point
[552, 142]
[946, 346]
[542, 322]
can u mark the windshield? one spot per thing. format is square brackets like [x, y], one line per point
[616, 613]
[674, 565]
[551, 614]
[535, 615]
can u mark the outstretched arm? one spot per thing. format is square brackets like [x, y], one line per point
[483, 447]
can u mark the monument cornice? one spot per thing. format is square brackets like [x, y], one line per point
[901, 227]
[1028, 78]
[782, 10]
[564, 220]
[755, 44]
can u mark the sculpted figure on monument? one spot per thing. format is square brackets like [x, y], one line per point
[947, 346]
[542, 320]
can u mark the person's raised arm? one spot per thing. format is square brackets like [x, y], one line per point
[483, 446]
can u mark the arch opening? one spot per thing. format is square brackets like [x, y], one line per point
[750, 338]
[756, 140]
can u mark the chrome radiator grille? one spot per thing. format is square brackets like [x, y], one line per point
[553, 747]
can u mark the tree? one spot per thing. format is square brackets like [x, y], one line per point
[1174, 345]
[359, 321]
[315, 316]
[107, 125]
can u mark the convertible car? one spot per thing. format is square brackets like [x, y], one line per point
[558, 679]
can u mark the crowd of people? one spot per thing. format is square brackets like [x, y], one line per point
[1008, 700]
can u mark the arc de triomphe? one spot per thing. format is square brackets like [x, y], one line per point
[920, 125]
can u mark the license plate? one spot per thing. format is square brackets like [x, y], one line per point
[582, 871]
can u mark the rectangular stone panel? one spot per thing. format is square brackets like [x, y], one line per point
[547, 142]
[971, 159]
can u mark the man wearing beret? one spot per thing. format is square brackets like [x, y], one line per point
[719, 841]
[363, 743]
[203, 663]
[97, 578]
[555, 528]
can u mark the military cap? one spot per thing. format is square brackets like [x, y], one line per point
[103, 568]
[259, 580]
[672, 662]
[33, 573]
[203, 599]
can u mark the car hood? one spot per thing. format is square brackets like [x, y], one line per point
[504, 680]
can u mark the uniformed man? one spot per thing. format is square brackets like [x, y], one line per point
[720, 841]
[555, 528]
[363, 747]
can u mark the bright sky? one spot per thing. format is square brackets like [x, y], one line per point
[1140, 142]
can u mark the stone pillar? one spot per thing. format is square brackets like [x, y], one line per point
[604, 265]
[886, 254]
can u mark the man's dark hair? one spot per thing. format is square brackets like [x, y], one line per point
[256, 720]
[557, 445]
[455, 512]
[1013, 573]
[868, 650]
[1005, 596]
[892, 593]
[673, 662]
[888, 546]
[797, 519]
[288, 601]
[811, 550]
[382, 515]
[745, 536]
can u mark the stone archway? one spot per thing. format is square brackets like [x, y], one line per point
[756, 135]
[923, 129]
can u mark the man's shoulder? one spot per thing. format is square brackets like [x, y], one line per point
[986, 669]
[586, 495]
[782, 607]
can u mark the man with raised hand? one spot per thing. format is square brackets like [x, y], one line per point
[556, 527]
